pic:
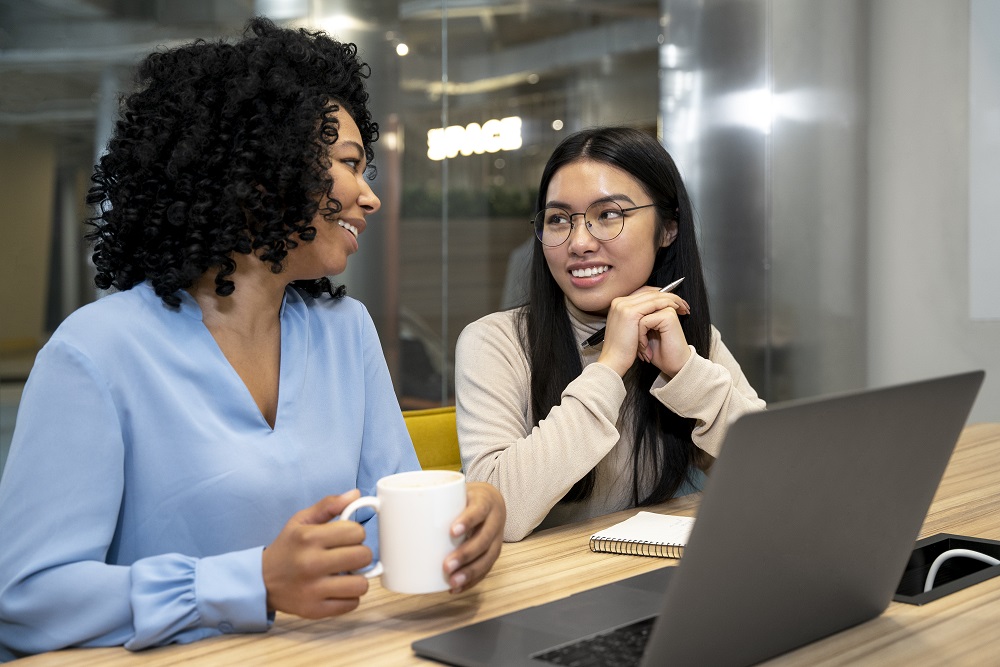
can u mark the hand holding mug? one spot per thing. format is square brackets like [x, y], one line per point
[303, 568]
[482, 523]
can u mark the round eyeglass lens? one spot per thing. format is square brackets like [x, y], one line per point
[605, 220]
[552, 226]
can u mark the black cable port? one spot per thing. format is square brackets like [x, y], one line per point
[954, 574]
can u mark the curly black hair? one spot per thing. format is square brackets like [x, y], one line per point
[223, 148]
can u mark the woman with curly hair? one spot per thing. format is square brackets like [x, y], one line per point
[568, 428]
[176, 439]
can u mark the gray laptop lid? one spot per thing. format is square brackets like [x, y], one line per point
[807, 521]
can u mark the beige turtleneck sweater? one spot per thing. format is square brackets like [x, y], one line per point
[533, 467]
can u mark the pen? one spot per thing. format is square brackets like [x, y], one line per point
[598, 336]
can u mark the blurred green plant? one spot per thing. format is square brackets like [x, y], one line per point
[495, 202]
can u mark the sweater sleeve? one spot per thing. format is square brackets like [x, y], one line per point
[533, 467]
[713, 392]
[60, 499]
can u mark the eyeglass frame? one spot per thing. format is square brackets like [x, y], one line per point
[586, 222]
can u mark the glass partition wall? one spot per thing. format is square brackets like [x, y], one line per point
[761, 102]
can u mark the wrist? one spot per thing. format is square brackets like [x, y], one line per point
[677, 364]
[617, 368]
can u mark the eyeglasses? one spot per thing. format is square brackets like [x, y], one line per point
[605, 220]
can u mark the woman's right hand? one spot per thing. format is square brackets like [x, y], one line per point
[630, 321]
[304, 567]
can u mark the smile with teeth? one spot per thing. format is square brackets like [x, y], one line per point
[590, 271]
[349, 227]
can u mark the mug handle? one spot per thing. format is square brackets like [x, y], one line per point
[366, 501]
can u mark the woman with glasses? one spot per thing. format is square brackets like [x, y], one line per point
[568, 429]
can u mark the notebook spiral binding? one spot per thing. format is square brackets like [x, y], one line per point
[637, 548]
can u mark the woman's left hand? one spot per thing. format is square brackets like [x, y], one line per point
[482, 523]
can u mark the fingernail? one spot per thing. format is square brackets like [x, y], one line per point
[458, 581]
[451, 566]
[458, 529]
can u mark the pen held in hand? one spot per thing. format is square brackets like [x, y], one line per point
[598, 337]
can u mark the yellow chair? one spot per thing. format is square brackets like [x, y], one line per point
[435, 437]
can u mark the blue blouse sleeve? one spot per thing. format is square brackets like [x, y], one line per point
[60, 499]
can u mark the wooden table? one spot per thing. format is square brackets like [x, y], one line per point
[960, 629]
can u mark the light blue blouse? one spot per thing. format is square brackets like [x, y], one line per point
[143, 481]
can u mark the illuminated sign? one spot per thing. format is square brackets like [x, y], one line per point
[492, 136]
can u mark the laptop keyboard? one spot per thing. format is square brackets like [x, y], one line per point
[621, 646]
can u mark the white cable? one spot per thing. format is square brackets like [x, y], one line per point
[936, 565]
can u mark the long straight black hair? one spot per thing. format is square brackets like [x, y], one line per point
[663, 449]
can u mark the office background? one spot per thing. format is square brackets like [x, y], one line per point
[840, 156]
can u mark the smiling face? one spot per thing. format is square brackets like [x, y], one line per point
[336, 239]
[590, 272]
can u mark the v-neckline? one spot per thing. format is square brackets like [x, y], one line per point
[193, 309]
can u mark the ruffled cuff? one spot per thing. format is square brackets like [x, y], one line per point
[180, 599]
[231, 593]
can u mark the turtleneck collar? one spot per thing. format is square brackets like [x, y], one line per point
[584, 324]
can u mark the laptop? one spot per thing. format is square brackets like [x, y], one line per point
[806, 524]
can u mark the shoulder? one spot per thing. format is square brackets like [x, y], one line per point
[113, 334]
[504, 322]
[496, 328]
[340, 323]
[491, 341]
[489, 352]
[110, 318]
[343, 306]
[344, 311]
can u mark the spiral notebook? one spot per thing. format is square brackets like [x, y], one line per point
[645, 534]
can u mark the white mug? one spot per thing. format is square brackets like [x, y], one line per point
[415, 513]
